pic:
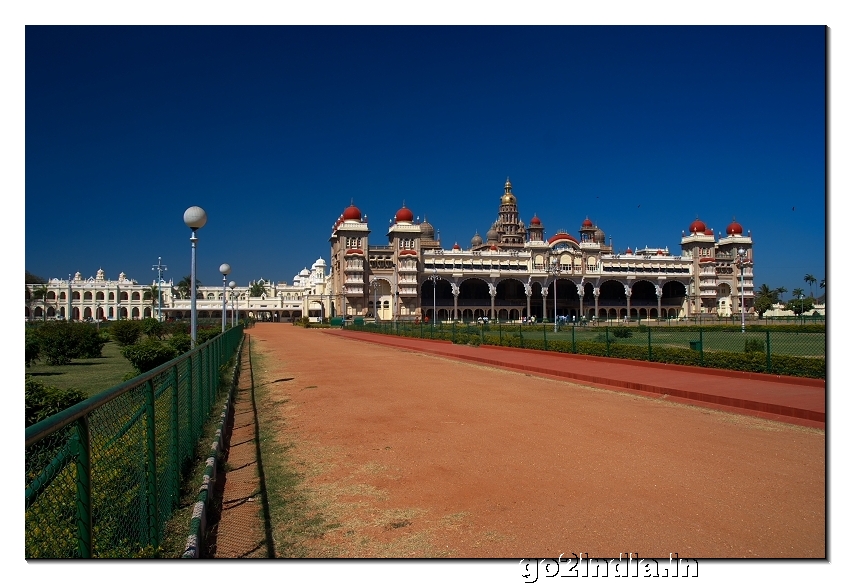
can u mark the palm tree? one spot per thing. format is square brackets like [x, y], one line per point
[40, 293]
[823, 283]
[258, 288]
[810, 279]
[152, 294]
[185, 284]
[779, 291]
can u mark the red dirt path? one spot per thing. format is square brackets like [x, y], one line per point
[417, 455]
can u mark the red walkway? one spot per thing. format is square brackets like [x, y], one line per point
[789, 399]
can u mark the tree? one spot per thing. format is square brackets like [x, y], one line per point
[800, 306]
[40, 293]
[152, 295]
[765, 298]
[781, 290]
[185, 284]
[32, 278]
[810, 279]
[258, 288]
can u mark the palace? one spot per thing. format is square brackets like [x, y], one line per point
[513, 273]
[99, 298]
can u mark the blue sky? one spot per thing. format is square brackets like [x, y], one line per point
[274, 130]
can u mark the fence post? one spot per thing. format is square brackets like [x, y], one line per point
[607, 343]
[83, 469]
[174, 453]
[150, 467]
[521, 339]
[545, 342]
[574, 338]
[500, 333]
[454, 337]
[649, 337]
[767, 347]
[701, 349]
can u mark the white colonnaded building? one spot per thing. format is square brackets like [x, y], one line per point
[99, 298]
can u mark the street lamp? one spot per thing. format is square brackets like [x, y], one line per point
[159, 268]
[433, 279]
[742, 254]
[232, 286]
[224, 270]
[375, 283]
[97, 315]
[194, 217]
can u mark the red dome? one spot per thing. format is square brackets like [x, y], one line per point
[628, 251]
[456, 246]
[734, 228]
[535, 221]
[404, 214]
[352, 213]
[697, 227]
[709, 232]
[493, 248]
[562, 237]
[659, 252]
[587, 223]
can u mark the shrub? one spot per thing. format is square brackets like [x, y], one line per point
[60, 342]
[207, 334]
[152, 328]
[42, 400]
[32, 347]
[621, 332]
[753, 345]
[181, 342]
[475, 340]
[126, 332]
[149, 354]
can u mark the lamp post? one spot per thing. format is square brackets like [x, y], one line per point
[97, 315]
[194, 217]
[433, 279]
[742, 254]
[232, 285]
[159, 268]
[374, 284]
[224, 269]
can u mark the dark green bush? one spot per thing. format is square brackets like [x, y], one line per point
[621, 332]
[149, 354]
[32, 346]
[753, 345]
[180, 342]
[60, 342]
[126, 332]
[42, 400]
[207, 333]
[153, 328]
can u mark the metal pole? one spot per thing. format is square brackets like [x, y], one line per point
[224, 303]
[194, 314]
[159, 269]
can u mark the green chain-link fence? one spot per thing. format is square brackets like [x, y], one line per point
[786, 350]
[103, 476]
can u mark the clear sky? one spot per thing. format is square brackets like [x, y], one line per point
[275, 130]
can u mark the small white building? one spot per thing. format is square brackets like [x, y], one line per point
[100, 298]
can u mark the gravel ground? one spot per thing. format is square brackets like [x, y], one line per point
[410, 455]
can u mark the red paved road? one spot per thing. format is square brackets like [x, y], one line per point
[789, 399]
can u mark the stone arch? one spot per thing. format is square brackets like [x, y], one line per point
[510, 289]
[643, 292]
[612, 290]
[124, 297]
[474, 289]
[87, 313]
[51, 295]
[111, 296]
[147, 313]
[51, 312]
[75, 295]
[87, 296]
[99, 296]
[135, 313]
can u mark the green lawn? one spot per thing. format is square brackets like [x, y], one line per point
[790, 343]
[89, 375]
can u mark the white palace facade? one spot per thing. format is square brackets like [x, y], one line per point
[511, 272]
[99, 298]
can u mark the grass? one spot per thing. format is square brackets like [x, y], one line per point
[89, 375]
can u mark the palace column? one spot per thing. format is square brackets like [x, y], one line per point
[628, 301]
[581, 302]
[527, 287]
[596, 302]
[658, 295]
[455, 294]
[492, 301]
[544, 292]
